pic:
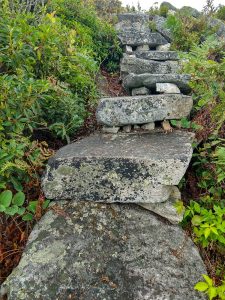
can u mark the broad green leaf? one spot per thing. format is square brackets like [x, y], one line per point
[6, 198]
[212, 292]
[201, 286]
[12, 210]
[32, 206]
[27, 217]
[207, 232]
[21, 210]
[208, 279]
[2, 208]
[196, 220]
[18, 199]
[45, 204]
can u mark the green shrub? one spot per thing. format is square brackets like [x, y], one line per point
[220, 14]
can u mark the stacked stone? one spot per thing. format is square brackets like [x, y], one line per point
[82, 249]
[137, 164]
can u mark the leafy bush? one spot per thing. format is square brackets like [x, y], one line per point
[210, 289]
[220, 14]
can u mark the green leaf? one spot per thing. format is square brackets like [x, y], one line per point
[197, 208]
[196, 220]
[212, 292]
[207, 232]
[27, 217]
[16, 184]
[2, 208]
[21, 210]
[201, 286]
[12, 210]
[32, 206]
[18, 199]
[208, 279]
[45, 204]
[6, 198]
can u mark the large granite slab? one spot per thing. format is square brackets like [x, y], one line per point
[121, 111]
[131, 64]
[134, 30]
[147, 80]
[90, 251]
[119, 168]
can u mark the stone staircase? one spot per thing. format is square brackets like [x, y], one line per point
[131, 161]
[99, 244]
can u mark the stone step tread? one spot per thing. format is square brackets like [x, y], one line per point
[120, 111]
[137, 38]
[157, 55]
[119, 168]
[148, 80]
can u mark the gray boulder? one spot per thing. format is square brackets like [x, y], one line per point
[132, 81]
[157, 55]
[112, 252]
[218, 25]
[131, 64]
[120, 111]
[189, 11]
[160, 25]
[168, 5]
[119, 168]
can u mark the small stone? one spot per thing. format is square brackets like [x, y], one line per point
[167, 209]
[127, 128]
[167, 88]
[148, 126]
[140, 91]
[113, 129]
[137, 127]
[143, 48]
[165, 47]
[128, 49]
[166, 126]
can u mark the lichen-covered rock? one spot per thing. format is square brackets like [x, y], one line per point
[121, 111]
[133, 30]
[168, 5]
[157, 55]
[131, 64]
[189, 11]
[167, 209]
[218, 25]
[106, 252]
[160, 25]
[132, 81]
[141, 91]
[119, 168]
[167, 88]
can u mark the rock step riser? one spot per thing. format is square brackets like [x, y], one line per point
[147, 80]
[131, 64]
[157, 55]
[130, 38]
[142, 109]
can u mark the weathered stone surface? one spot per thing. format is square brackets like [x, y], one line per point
[134, 30]
[132, 81]
[167, 209]
[143, 48]
[148, 126]
[168, 88]
[165, 47]
[219, 25]
[157, 55]
[140, 91]
[106, 251]
[189, 11]
[107, 129]
[131, 64]
[160, 25]
[127, 128]
[168, 5]
[119, 168]
[121, 111]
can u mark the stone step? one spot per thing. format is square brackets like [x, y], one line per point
[119, 168]
[120, 111]
[157, 55]
[88, 251]
[131, 64]
[148, 80]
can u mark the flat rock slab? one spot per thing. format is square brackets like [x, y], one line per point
[119, 168]
[121, 111]
[157, 55]
[131, 64]
[132, 81]
[106, 252]
[134, 30]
